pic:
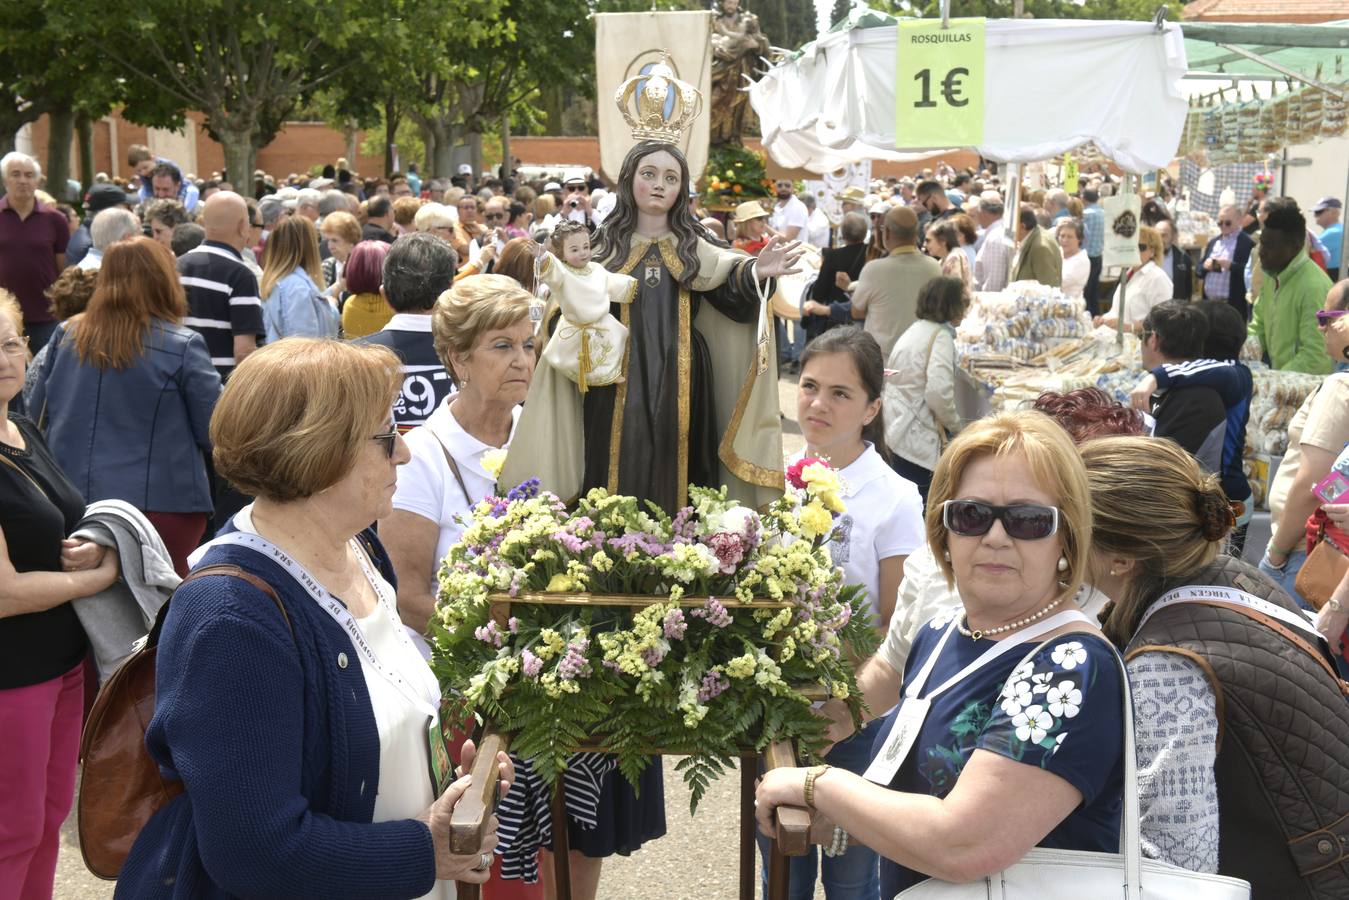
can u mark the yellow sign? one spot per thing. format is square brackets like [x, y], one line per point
[939, 84]
[1069, 173]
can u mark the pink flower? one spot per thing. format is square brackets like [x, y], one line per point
[530, 664]
[674, 624]
[795, 469]
[729, 549]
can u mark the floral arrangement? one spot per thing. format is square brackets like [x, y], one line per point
[1264, 181]
[634, 631]
[734, 174]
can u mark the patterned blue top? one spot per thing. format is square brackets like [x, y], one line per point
[1062, 711]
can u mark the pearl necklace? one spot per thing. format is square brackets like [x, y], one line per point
[979, 635]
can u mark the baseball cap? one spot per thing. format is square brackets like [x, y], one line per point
[465, 169]
[552, 186]
[106, 196]
[575, 179]
[879, 208]
[1326, 203]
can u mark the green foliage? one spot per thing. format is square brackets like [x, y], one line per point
[1040, 9]
[691, 677]
[734, 174]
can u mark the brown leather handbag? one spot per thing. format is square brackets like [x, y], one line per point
[121, 786]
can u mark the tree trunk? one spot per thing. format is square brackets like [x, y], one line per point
[428, 152]
[390, 132]
[84, 130]
[506, 161]
[61, 133]
[475, 155]
[240, 157]
[349, 132]
[551, 98]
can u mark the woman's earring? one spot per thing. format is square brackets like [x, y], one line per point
[946, 555]
[1063, 564]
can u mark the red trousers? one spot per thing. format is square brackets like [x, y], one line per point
[38, 755]
[181, 533]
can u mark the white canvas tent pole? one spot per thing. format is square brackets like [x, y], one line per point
[945, 13]
[1010, 213]
[1126, 188]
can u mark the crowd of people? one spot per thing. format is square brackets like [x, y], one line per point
[307, 381]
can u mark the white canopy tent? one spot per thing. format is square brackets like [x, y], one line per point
[1049, 86]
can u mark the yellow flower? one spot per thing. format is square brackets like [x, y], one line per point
[815, 520]
[560, 584]
[493, 461]
[730, 173]
[840, 690]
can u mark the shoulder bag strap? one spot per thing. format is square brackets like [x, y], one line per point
[454, 469]
[233, 572]
[24, 472]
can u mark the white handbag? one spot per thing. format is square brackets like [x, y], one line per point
[1044, 874]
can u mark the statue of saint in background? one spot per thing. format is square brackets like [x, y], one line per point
[737, 44]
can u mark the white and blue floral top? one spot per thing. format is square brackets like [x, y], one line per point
[1061, 710]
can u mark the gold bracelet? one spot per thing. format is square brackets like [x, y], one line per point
[809, 792]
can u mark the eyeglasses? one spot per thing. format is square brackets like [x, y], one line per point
[390, 439]
[16, 346]
[1226, 223]
[1145, 334]
[1325, 316]
[1022, 522]
[254, 224]
[492, 217]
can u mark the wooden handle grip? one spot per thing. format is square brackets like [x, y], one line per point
[791, 829]
[470, 816]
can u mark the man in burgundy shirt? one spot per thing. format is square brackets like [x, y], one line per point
[33, 238]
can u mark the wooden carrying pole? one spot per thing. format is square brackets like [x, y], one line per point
[472, 814]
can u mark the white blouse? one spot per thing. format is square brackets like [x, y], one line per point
[1147, 287]
[1076, 270]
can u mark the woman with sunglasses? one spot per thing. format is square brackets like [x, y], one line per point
[1010, 733]
[1318, 431]
[304, 726]
[1147, 284]
[1240, 719]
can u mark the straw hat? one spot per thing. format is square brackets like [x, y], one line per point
[852, 193]
[750, 209]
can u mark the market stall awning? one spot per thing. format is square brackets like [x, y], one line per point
[1225, 48]
[1050, 86]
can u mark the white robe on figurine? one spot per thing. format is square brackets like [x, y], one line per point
[587, 345]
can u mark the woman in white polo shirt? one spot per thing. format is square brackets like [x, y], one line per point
[838, 406]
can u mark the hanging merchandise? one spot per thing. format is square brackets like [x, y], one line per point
[1121, 230]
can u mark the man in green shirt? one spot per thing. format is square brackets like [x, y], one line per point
[1293, 289]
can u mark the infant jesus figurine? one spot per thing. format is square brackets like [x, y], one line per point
[587, 344]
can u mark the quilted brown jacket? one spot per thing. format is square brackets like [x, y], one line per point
[1282, 764]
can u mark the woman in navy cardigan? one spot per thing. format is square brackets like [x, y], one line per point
[303, 741]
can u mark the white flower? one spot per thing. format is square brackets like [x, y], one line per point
[1032, 724]
[737, 520]
[1069, 655]
[1065, 701]
[1042, 681]
[1022, 672]
[1016, 697]
[1058, 742]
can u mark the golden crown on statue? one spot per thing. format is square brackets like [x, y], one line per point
[665, 106]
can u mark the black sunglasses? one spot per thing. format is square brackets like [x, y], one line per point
[390, 440]
[1022, 521]
[1325, 316]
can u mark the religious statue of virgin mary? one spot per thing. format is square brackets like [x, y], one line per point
[697, 401]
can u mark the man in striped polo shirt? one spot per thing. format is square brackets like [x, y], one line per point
[222, 293]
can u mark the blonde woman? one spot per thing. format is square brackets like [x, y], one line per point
[1147, 284]
[292, 304]
[997, 766]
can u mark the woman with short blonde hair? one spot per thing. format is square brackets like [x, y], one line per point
[1038, 729]
[302, 662]
[342, 233]
[292, 304]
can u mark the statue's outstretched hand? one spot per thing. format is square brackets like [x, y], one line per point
[778, 257]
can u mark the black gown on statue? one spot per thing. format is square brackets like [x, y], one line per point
[650, 432]
[646, 464]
